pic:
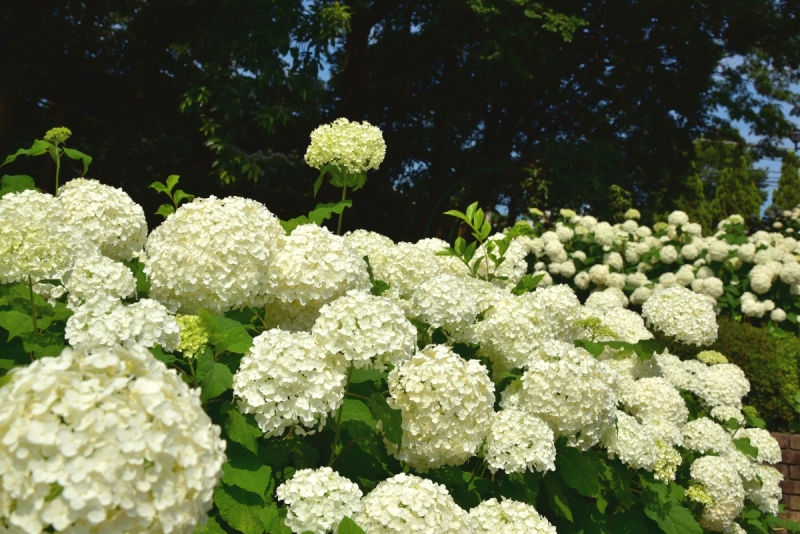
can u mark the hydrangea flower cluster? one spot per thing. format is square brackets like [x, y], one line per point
[518, 441]
[407, 503]
[212, 253]
[286, 379]
[509, 517]
[446, 404]
[105, 439]
[445, 301]
[107, 215]
[93, 276]
[682, 314]
[369, 331]
[194, 334]
[353, 146]
[318, 499]
[721, 482]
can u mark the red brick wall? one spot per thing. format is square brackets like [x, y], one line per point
[790, 469]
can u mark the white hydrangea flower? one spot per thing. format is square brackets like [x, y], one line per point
[582, 280]
[518, 441]
[723, 384]
[446, 404]
[314, 266]
[354, 146]
[318, 499]
[559, 307]
[746, 252]
[366, 243]
[777, 315]
[35, 239]
[405, 267]
[761, 278]
[98, 275]
[513, 267]
[656, 399]
[678, 218]
[603, 301]
[790, 273]
[704, 435]
[286, 379]
[752, 307]
[721, 481]
[212, 253]
[768, 449]
[575, 395]
[668, 254]
[711, 286]
[669, 459]
[407, 503]
[107, 321]
[107, 215]
[767, 493]
[509, 517]
[446, 301]
[628, 325]
[681, 374]
[105, 439]
[723, 414]
[369, 331]
[640, 295]
[682, 314]
[690, 251]
[631, 443]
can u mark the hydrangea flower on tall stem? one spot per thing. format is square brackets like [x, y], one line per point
[345, 150]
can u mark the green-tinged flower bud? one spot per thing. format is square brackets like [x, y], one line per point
[58, 135]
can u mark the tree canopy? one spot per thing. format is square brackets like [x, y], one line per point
[522, 103]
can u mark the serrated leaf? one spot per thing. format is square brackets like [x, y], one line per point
[348, 526]
[216, 381]
[578, 472]
[17, 323]
[240, 430]
[240, 508]
[248, 473]
[391, 419]
[631, 521]
[272, 517]
[744, 445]
[80, 156]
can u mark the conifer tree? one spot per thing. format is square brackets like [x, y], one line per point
[736, 192]
[787, 195]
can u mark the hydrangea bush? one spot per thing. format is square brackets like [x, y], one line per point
[234, 374]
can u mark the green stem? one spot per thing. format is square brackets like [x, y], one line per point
[339, 417]
[342, 451]
[191, 368]
[341, 214]
[33, 305]
[58, 167]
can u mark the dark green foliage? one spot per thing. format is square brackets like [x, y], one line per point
[787, 195]
[692, 200]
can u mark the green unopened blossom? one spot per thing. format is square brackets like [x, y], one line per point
[194, 334]
[711, 357]
[536, 212]
[660, 226]
[669, 459]
[632, 215]
[568, 214]
[595, 327]
[58, 135]
[352, 146]
[698, 493]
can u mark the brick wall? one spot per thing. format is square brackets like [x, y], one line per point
[790, 469]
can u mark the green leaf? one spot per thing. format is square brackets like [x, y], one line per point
[291, 224]
[321, 176]
[478, 219]
[578, 472]
[78, 155]
[212, 526]
[391, 419]
[226, 334]
[247, 472]
[470, 213]
[142, 282]
[16, 323]
[240, 508]
[172, 181]
[324, 212]
[242, 430]
[460, 246]
[15, 183]
[595, 349]
[631, 521]
[458, 214]
[181, 195]
[486, 229]
[469, 253]
[159, 187]
[47, 343]
[205, 363]
[378, 286]
[367, 375]
[272, 517]
[555, 496]
[165, 210]
[355, 410]
[38, 148]
[216, 381]
[348, 526]
[671, 517]
[162, 356]
[744, 445]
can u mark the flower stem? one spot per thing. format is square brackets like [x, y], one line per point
[339, 417]
[341, 213]
[58, 167]
[33, 306]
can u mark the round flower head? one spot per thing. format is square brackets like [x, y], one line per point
[107, 321]
[366, 243]
[667, 463]
[407, 503]
[765, 492]
[513, 267]
[290, 316]
[286, 379]
[711, 357]
[447, 406]
[98, 275]
[107, 215]
[704, 435]
[723, 384]
[352, 146]
[655, 399]
[318, 499]
[404, 267]
[212, 253]
[105, 439]
[721, 481]
[369, 331]
[575, 394]
[35, 240]
[682, 314]
[518, 441]
[769, 451]
[194, 334]
[445, 301]
[313, 267]
[723, 414]
[631, 443]
[632, 214]
[509, 517]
